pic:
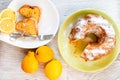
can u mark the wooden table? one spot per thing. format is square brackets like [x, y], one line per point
[11, 56]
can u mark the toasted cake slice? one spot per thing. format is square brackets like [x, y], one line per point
[27, 26]
[30, 12]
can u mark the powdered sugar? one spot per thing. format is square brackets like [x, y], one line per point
[99, 21]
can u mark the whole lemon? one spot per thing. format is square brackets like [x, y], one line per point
[44, 54]
[29, 63]
[53, 69]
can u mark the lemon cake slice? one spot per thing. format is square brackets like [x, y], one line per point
[27, 26]
[30, 12]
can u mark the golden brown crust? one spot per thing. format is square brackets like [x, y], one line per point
[30, 12]
[27, 26]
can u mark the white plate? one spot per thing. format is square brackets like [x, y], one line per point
[48, 24]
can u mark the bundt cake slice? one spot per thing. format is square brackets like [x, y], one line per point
[27, 26]
[30, 12]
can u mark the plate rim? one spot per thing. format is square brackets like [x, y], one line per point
[59, 47]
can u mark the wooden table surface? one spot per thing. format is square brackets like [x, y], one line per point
[11, 56]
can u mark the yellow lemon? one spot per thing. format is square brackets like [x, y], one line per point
[7, 25]
[29, 63]
[44, 54]
[8, 13]
[53, 69]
